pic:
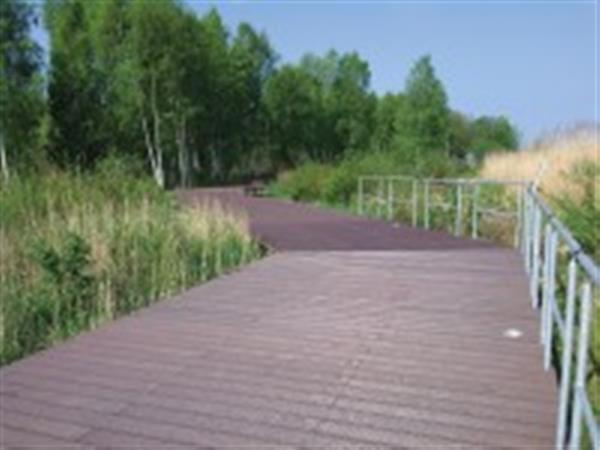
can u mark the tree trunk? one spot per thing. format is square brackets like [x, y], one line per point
[183, 154]
[215, 163]
[155, 154]
[3, 159]
[196, 164]
[156, 167]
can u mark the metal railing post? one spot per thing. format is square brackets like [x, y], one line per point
[565, 366]
[426, 203]
[415, 202]
[475, 213]
[580, 372]
[565, 330]
[545, 286]
[519, 217]
[527, 231]
[380, 187]
[390, 200]
[535, 268]
[360, 196]
[458, 222]
[551, 298]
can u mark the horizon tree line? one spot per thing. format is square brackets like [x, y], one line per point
[200, 104]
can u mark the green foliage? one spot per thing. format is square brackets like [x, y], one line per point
[67, 268]
[386, 122]
[79, 250]
[349, 104]
[320, 109]
[424, 119]
[419, 123]
[155, 79]
[66, 281]
[74, 93]
[21, 100]
[306, 183]
[293, 103]
[460, 136]
[492, 134]
[202, 104]
[337, 184]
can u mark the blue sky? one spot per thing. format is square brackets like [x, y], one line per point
[534, 61]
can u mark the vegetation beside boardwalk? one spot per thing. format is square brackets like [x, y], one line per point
[78, 250]
[566, 168]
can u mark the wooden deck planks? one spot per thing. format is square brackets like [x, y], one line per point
[305, 348]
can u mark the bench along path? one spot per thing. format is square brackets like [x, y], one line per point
[353, 332]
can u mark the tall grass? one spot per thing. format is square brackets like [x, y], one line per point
[547, 161]
[566, 168]
[80, 250]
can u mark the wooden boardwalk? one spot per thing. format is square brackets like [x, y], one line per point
[353, 333]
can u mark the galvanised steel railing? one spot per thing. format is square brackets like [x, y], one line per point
[422, 201]
[549, 252]
[389, 195]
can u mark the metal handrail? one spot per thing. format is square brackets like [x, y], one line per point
[539, 234]
[574, 247]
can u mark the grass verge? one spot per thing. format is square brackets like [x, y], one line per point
[81, 250]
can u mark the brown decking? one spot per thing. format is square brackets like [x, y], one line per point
[295, 226]
[303, 349]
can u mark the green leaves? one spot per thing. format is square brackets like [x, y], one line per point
[320, 109]
[425, 118]
[67, 269]
[21, 101]
[81, 249]
[293, 103]
[200, 103]
[493, 134]
[419, 124]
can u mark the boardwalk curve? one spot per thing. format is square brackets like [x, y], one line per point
[352, 333]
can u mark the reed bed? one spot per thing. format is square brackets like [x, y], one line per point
[548, 161]
[77, 251]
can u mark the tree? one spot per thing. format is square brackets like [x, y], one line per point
[75, 97]
[109, 27]
[386, 124]
[252, 63]
[353, 105]
[153, 80]
[348, 106]
[424, 121]
[292, 100]
[459, 134]
[21, 102]
[162, 63]
[218, 100]
[493, 133]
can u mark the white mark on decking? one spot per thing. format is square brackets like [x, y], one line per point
[512, 333]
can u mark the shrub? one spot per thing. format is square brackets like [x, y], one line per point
[305, 183]
[337, 185]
